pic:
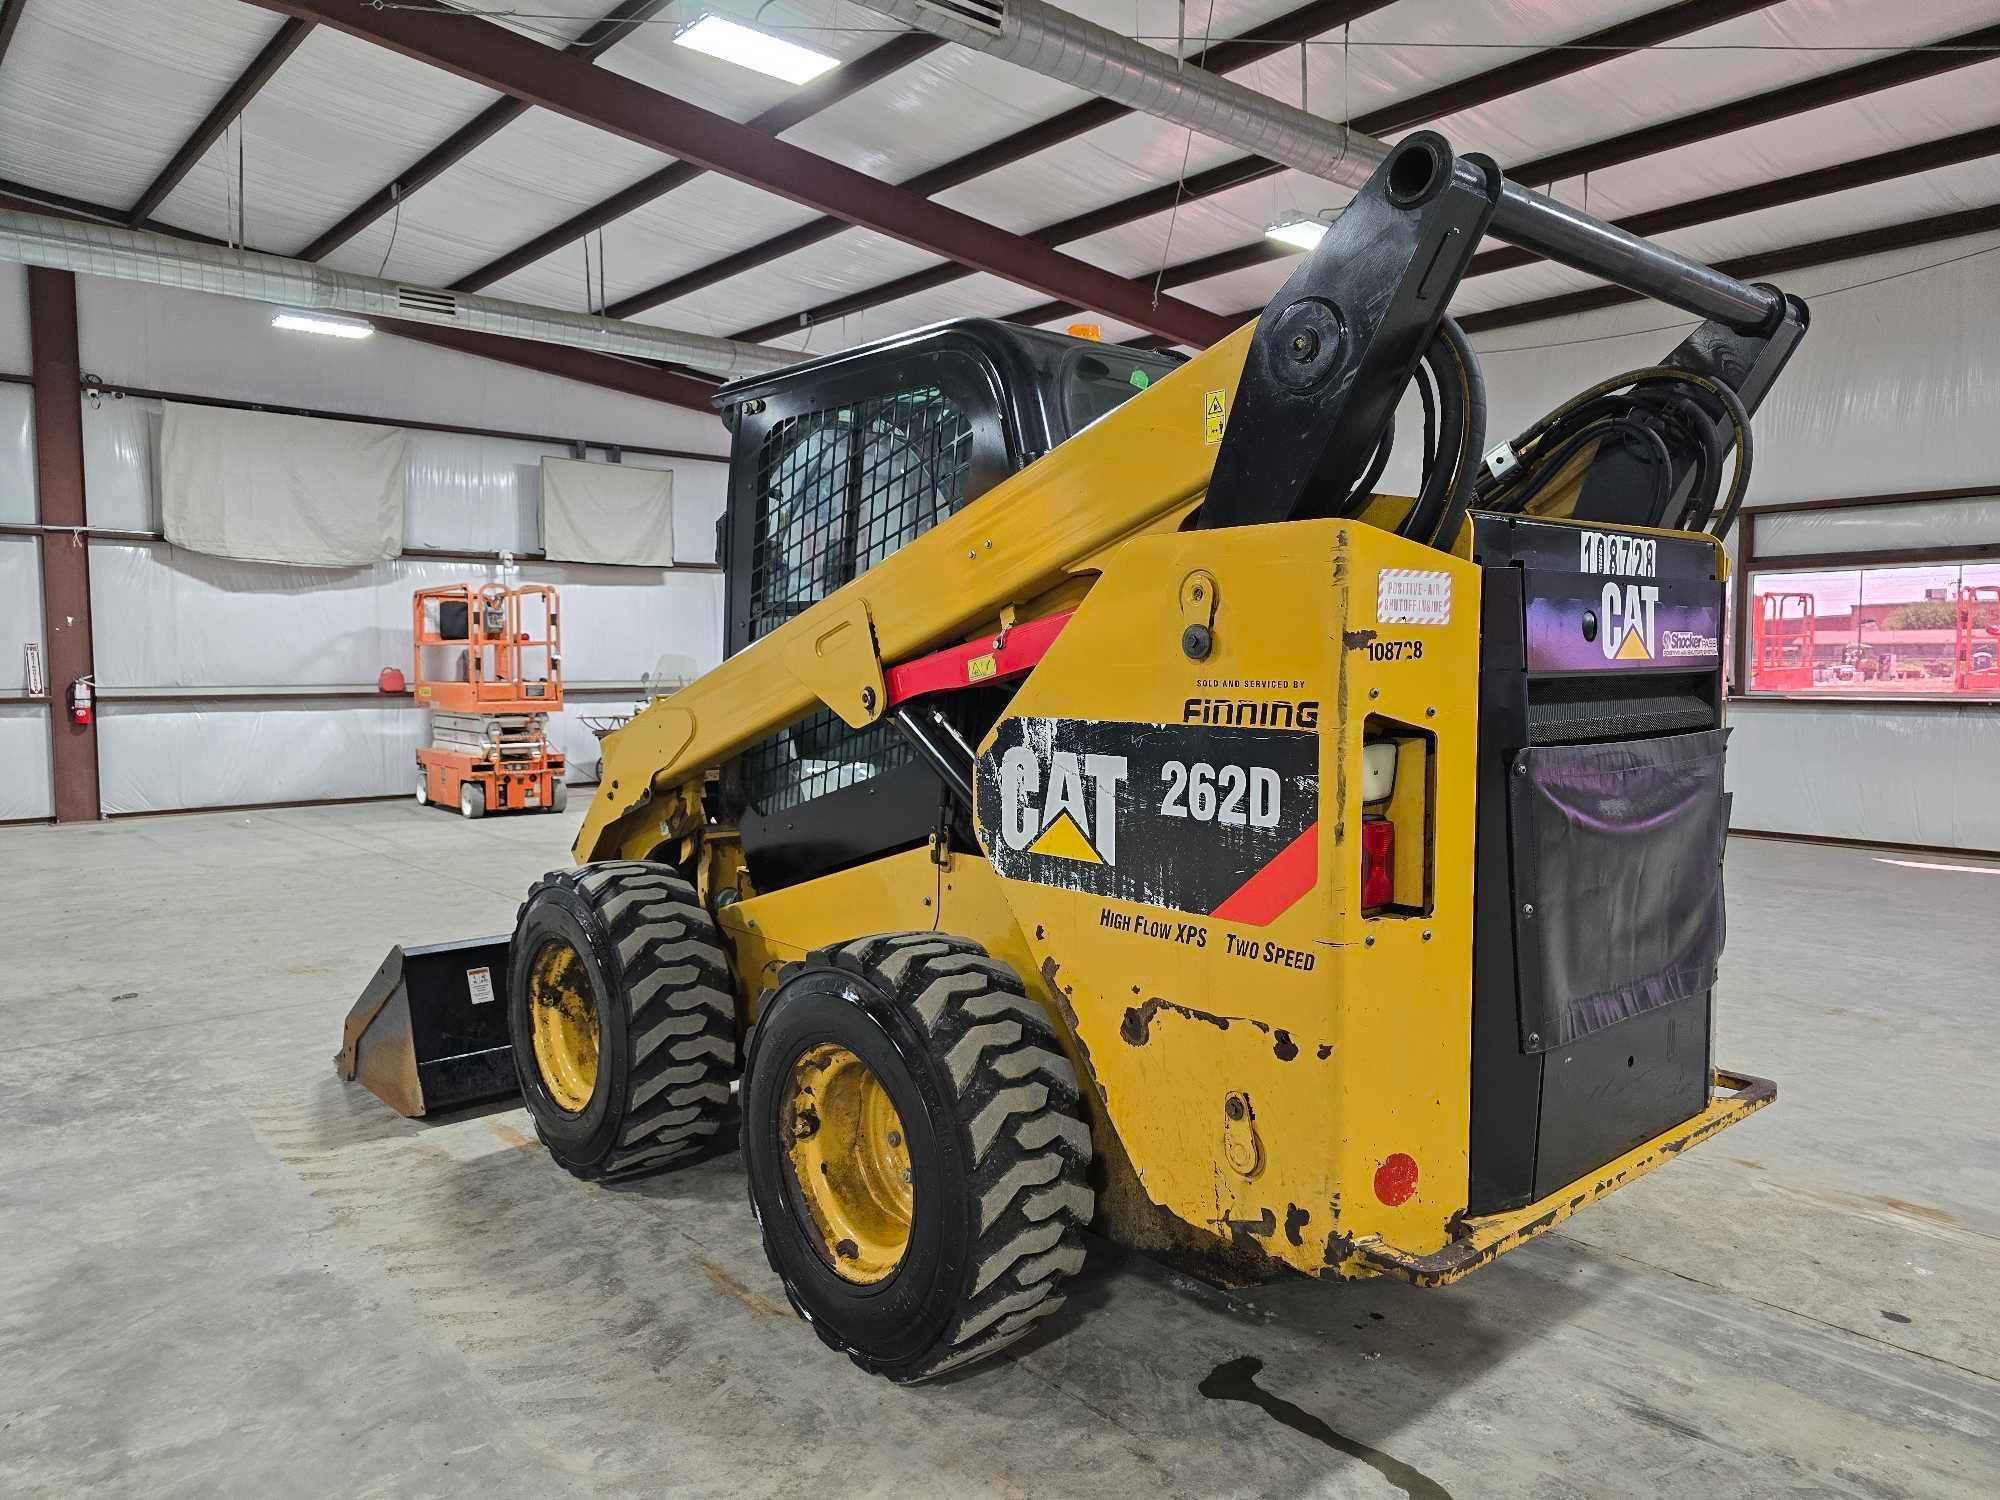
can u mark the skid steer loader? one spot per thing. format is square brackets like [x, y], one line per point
[1114, 812]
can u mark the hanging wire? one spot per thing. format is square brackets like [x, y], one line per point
[395, 224]
[1187, 147]
[242, 195]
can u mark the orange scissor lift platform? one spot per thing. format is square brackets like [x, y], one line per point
[487, 660]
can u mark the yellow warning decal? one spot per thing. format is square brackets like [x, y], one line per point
[980, 668]
[1064, 840]
[1212, 411]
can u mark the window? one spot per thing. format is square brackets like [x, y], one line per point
[1922, 629]
[1870, 598]
[839, 490]
[1095, 384]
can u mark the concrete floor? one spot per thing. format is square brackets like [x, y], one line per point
[222, 1272]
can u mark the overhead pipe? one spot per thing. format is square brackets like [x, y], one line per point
[1056, 44]
[161, 260]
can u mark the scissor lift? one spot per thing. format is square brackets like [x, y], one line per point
[1782, 643]
[1977, 649]
[488, 661]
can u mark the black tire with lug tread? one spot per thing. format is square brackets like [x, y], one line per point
[656, 973]
[996, 1141]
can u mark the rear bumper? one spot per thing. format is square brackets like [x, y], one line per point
[1733, 1097]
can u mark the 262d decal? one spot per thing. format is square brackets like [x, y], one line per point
[1203, 818]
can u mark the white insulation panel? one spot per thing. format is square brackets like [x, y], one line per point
[20, 608]
[1895, 388]
[17, 453]
[1971, 522]
[154, 756]
[27, 790]
[188, 621]
[13, 319]
[1838, 770]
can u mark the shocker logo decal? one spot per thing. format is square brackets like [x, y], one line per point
[1200, 818]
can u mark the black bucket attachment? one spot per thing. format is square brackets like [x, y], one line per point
[429, 1032]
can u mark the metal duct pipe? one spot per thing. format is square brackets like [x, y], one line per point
[136, 255]
[1069, 49]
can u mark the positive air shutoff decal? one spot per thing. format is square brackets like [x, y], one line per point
[1215, 820]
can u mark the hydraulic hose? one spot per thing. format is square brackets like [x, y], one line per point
[1592, 415]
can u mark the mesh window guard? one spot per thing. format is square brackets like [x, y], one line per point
[839, 490]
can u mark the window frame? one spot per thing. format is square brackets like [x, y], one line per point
[1749, 562]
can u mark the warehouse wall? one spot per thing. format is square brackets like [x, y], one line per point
[1896, 389]
[25, 788]
[227, 683]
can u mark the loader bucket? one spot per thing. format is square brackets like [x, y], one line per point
[429, 1032]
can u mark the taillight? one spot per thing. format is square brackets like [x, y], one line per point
[1378, 863]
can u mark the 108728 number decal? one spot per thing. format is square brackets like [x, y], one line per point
[1233, 796]
[1395, 650]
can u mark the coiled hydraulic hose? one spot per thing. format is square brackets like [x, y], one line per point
[1607, 412]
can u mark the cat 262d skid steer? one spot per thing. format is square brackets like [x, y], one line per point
[1115, 812]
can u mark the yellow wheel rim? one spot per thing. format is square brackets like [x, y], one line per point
[565, 1021]
[850, 1162]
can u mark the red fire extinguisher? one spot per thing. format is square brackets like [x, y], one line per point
[80, 702]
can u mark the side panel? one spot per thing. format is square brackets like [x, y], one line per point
[1278, 1065]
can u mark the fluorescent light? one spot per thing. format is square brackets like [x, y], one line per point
[1302, 234]
[332, 327]
[1918, 864]
[723, 38]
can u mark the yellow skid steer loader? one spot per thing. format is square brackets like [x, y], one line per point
[1115, 812]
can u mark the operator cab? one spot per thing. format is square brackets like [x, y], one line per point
[835, 464]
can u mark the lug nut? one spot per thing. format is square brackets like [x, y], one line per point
[895, 1138]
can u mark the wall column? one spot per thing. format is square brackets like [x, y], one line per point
[65, 558]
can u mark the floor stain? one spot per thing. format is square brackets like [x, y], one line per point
[757, 1302]
[1236, 1380]
[514, 1138]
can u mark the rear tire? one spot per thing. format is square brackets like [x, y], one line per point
[994, 1139]
[471, 800]
[558, 797]
[651, 974]
[423, 789]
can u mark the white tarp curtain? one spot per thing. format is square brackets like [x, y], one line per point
[17, 453]
[1861, 771]
[262, 487]
[187, 621]
[26, 791]
[20, 606]
[607, 513]
[1971, 522]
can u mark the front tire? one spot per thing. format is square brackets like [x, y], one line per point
[924, 1041]
[471, 800]
[623, 1017]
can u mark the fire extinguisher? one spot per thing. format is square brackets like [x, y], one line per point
[81, 702]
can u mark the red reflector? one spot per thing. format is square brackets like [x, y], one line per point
[1378, 862]
[1396, 1179]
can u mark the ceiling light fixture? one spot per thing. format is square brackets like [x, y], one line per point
[332, 327]
[747, 48]
[1298, 231]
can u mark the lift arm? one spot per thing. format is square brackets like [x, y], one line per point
[1307, 391]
